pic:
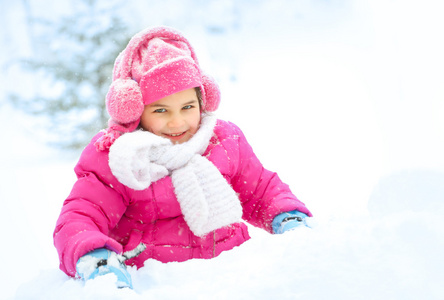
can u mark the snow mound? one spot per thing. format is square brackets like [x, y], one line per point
[394, 257]
[409, 190]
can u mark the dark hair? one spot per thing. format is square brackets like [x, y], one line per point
[199, 96]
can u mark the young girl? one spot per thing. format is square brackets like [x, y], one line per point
[166, 175]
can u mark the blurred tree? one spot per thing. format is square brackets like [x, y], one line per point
[74, 61]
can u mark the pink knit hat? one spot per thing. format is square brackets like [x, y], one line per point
[157, 62]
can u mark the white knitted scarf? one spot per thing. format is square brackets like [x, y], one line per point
[206, 199]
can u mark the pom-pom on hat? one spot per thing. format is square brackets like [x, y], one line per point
[157, 62]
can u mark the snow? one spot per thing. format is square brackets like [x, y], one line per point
[346, 105]
[354, 258]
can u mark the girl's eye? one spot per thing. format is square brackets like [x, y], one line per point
[187, 107]
[160, 110]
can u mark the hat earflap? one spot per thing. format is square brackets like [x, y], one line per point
[211, 93]
[124, 100]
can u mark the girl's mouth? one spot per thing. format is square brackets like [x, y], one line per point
[175, 136]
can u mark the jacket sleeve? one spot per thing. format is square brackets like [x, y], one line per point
[94, 206]
[263, 195]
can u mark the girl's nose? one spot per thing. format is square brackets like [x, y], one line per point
[176, 121]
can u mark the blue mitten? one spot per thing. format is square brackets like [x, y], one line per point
[288, 221]
[103, 261]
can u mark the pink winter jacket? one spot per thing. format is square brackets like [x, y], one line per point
[102, 212]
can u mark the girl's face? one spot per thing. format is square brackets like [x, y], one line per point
[176, 117]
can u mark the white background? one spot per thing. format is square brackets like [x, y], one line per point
[346, 103]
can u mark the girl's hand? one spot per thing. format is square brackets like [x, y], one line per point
[103, 261]
[288, 221]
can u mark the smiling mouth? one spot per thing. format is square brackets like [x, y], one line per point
[175, 136]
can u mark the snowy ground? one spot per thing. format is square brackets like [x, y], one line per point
[352, 119]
